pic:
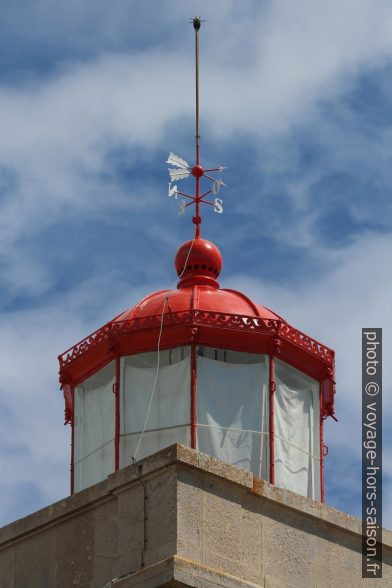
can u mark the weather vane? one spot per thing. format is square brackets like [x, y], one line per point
[183, 170]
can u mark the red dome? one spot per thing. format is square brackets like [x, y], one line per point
[198, 262]
[197, 297]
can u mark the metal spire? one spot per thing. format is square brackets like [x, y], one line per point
[183, 170]
[196, 25]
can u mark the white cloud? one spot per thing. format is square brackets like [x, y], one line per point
[55, 134]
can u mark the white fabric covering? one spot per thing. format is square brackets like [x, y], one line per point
[94, 422]
[297, 433]
[232, 415]
[169, 418]
[232, 408]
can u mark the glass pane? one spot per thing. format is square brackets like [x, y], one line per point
[228, 355]
[94, 467]
[167, 407]
[152, 442]
[296, 425]
[150, 359]
[232, 408]
[94, 428]
[243, 449]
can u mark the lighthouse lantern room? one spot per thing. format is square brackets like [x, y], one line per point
[203, 366]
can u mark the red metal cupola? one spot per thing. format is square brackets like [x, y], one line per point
[201, 365]
[198, 263]
[202, 322]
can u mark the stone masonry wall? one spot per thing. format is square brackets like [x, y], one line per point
[185, 519]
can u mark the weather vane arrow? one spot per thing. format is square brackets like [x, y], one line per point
[181, 169]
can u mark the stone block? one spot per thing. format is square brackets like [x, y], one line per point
[75, 550]
[129, 529]
[161, 512]
[105, 542]
[35, 560]
[289, 549]
[7, 567]
[190, 494]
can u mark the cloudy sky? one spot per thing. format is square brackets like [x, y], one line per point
[296, 100]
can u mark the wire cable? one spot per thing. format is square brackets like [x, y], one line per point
[165, 300]
[155, 381]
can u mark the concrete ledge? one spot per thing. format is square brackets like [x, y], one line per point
[102, 491]
[185, 455]
[179, 454]
[176, 572]
[312, 508]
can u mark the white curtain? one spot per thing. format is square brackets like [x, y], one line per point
[232, 408]
[94, 422]
[296, 426]
[169, 417]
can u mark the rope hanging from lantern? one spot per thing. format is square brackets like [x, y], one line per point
[165, 300]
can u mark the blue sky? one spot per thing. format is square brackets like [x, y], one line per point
[296, 100]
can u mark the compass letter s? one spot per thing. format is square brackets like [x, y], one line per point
[218, 205]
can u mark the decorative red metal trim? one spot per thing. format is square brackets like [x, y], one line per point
[193, 397]
[305, 342]
[328, 387]
[271, 419]
[321, 421]
[117, 417]
[72, 466]
[322, 417]
[199, 317]
[68, 399]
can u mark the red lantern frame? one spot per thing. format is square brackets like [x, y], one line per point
[247, 333]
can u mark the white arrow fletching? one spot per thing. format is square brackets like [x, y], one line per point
[177, 161]
[178, 174]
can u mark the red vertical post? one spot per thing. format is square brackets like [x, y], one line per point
[271, 419]
[117, 417]
[322, 496]
[197, 217]
[72, 466]
[193, 397]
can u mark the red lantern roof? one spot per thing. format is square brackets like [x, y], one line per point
[199, 312]
[198, 263]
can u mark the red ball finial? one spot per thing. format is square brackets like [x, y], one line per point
[198, 262]
[197, 171]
